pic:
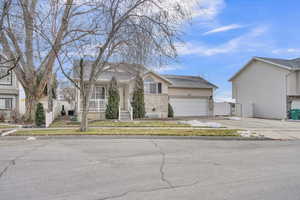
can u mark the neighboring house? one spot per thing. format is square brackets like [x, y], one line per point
[267, 87]
[9, 92]
[188, 95]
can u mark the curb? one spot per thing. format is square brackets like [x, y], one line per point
[140, 137]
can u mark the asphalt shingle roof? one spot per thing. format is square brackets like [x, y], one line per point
[189, 81]
[291, 63]
[128, 71]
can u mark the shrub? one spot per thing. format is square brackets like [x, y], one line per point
[112, 107]
[170, 111]
[15, 116]
[138, 103]
[2, 117]
[40, 115]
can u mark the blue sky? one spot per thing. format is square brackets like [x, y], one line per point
[228, 33]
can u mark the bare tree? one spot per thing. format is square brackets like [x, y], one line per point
[35, 32]
[67, 92]
[145, 30]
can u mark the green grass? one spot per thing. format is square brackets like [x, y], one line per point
[7, 126]
[116, 131]
[62, 123]
[57, 124]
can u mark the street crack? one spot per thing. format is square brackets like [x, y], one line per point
[169, 185]
[149, 190]
[13, 161]
[162, 165]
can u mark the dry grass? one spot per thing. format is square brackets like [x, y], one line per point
[7, 126]
[116, 131]
[57, 124]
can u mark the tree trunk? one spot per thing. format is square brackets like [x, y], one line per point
[84, 119]
[50, 95]
[31, 104]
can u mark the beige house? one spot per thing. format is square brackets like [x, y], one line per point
[267, 87]
[188, 95]
[9, 92]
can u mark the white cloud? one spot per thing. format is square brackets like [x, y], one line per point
[223, 29]
[167, 68]
[204, 10]
[286, 51]
[207, 9]
[246, 42]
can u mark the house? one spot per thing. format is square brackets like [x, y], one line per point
[267, 87]
[9, 92]
[188, 95]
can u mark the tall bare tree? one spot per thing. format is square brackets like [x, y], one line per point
[145, 30]
[36, 31]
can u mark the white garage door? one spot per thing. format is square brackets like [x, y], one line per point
[189, 106]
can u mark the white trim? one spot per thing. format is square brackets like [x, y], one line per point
[259, 59]
[159, 76]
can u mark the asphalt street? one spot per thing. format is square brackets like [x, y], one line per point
[156, 169]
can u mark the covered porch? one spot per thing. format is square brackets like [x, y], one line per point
[99, 100]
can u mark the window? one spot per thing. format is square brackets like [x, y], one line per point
[159, 88]
[98, 93]
[5, 103]
[152, 87]
[97, 98]
[7, 80]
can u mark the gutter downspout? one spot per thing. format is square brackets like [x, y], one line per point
[286, 93]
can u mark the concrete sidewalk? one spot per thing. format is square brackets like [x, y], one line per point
[275, 129]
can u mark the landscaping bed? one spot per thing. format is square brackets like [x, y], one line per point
[116, 131]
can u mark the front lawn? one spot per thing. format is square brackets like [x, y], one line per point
[57, 124]
[116, 131]
[6, 126]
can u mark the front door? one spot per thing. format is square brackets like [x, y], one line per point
[122, 97]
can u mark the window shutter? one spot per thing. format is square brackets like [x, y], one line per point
[159, 88]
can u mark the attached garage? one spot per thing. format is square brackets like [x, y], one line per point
[190, 96]
[184, 107]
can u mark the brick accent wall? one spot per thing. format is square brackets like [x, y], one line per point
[156, 105]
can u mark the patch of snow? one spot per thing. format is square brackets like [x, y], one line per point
[8, 132]
[203, 124]
[245, 133]
[234, 118]
[248, 133]
[31, 138]
[213, 125]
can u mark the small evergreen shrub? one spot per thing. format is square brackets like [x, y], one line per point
[138, 103]
[2, 117]
[170, 111]
[112, 107]
[40, 115]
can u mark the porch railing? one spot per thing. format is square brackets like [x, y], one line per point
[130, 110]
[98, 105]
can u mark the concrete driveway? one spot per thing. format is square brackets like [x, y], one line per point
[148, 169]
[275, 129]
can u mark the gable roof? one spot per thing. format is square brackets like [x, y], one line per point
[121, 71]
[289, 64]
[158, 75]
[189, 82]
[127, 72]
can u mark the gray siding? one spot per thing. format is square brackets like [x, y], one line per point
[264, 86]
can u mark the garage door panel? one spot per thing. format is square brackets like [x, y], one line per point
[189, 106]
